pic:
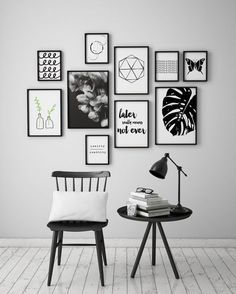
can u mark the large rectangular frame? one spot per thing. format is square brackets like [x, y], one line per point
[156, 117]
[108, 92]
[115, 71]
[28, 120]
[148, 124]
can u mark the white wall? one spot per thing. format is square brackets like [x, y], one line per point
[26, 163]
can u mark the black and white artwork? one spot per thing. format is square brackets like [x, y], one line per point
[44, 112]
[49, 65]
[131, 70]
[96, 48]
[97, 149]
[176, 116]
[195, 66]
[166, 66]
[88, 99]
[131, 124]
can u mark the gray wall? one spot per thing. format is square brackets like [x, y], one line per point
[26, 163]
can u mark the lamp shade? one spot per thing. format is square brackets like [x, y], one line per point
[159, 168]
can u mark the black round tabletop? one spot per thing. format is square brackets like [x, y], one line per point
[122, 211]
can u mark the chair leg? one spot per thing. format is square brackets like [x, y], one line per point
[103, 248]
[52, 256]
[99, 255]
[60, 241]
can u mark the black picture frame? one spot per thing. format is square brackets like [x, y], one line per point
[74, 122]
[115, 122]
[46, 63]
[101, 46]
[29, 133]
[194, 65]
[156, 116]
[116, 92]
[107, 162]
[170, 65]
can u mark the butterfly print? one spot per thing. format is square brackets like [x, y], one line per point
[195, 65]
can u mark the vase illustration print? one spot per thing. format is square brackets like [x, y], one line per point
[49, 123]
[39, 122]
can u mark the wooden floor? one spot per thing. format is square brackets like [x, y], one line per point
[202, 270]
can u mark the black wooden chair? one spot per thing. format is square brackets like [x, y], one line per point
[87, 181]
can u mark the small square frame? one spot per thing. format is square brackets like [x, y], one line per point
[58, 63]
[169, 65]
[206, 66]
[99, 45]
[108, 150]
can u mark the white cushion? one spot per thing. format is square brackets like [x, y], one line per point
[81, 206]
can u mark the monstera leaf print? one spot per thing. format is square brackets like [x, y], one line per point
[179, 111]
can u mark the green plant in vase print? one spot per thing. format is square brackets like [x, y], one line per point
[49, 122]
[39, 119]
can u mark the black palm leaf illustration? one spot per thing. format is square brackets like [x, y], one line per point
[179, 111]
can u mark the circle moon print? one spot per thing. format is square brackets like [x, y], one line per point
[97, 48]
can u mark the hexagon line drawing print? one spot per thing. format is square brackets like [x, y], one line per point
[131, 68]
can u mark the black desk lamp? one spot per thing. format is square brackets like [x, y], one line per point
[159, 170]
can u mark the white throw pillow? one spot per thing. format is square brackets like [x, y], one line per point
[79, 206]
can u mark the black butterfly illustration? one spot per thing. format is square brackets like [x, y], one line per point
[195, 65]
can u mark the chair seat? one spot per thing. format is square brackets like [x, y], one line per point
[76, 226]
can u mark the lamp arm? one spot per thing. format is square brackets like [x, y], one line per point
[178, 167]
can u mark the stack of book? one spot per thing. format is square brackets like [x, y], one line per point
[150, 205]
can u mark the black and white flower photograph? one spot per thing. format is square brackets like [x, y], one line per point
[88, 99]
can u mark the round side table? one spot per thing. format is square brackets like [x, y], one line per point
[153, 222]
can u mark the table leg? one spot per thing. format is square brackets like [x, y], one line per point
[154, 243]
[141, 250]
[168, 250]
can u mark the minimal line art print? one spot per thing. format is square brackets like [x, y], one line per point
[49, 65]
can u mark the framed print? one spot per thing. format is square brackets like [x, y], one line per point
[195, 66]
[96, 48]
[88, 99]
[49, 65]
[97, 149]
[131, 72]
[176, 116]
[166, 66]
[131, 123]
[44, 112]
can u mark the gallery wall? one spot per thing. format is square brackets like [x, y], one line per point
[26, 162]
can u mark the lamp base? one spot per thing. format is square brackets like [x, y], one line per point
[179, 210]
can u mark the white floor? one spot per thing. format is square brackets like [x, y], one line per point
[202, 270]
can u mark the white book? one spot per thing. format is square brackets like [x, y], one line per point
[144, 195]
[147, 202]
